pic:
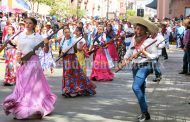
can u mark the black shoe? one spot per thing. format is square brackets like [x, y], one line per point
[8, 84]
[182, 72]
[165, 58]
[143, 117]
[157, 78]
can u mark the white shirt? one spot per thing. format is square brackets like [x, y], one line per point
[102, 39]
[60, 34]
[66, 44]
[129, 30]
[152, 50]
[50, 32]
[26, 43]
[160, 43]
[81, 41]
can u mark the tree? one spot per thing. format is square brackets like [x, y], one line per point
[63, 8]
[130, 12]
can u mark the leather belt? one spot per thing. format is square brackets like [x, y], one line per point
[141, 64]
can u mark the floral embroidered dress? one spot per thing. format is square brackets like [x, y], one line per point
[75, 82]
[10, 61]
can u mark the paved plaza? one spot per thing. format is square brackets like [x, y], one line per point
[115, 101]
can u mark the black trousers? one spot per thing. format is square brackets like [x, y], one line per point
[164, 53]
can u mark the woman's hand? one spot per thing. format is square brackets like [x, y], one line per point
[46, 41]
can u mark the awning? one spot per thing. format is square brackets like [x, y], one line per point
[152, 5]
[23, 4]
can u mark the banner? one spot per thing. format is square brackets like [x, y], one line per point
[23, 4]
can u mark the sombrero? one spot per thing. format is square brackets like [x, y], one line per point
[48, 23]
[21, 23]
[139, 20]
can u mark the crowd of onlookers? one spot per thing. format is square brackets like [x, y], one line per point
[173, 29]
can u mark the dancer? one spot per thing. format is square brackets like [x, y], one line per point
[10, 60]
[100, 68]
[80, 52]
[141, 64]
[32, 97]
[75, 82]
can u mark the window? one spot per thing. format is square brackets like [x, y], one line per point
[187, 11]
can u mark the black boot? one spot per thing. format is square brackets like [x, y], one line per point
[143, 117]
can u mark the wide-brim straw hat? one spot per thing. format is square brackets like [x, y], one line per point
[21, 23]
[163, 23]
[48, 24]
[140, 20]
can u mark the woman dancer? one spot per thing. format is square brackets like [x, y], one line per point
[10, 60]
[100, 68]
[110, 34]
[75, 82]
[46, 59]
[32, 97]
[80, 53]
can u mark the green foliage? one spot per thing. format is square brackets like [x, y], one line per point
[131, 12]
[60, 8]
[63, 8]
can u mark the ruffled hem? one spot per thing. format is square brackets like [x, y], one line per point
[102, 76]
[88, 91]
[21, 111]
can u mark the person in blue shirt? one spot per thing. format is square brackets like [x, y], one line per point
[180, 29]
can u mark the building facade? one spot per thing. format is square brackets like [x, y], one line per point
[141, 4]
[172, 8]
[101, 7]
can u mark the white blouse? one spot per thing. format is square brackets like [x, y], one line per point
[66, 44]
[26, 43]
[152, 50]
[81, 41]
[102, 39]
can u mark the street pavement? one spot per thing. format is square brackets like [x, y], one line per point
[115, 101]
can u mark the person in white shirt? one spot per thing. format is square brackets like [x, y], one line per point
[160, 44]
[141, 63]
[32, 97]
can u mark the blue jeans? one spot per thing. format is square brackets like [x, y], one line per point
[179, 42]
[139, 77]
[156, 66]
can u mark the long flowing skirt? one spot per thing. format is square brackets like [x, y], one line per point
[10, 72]
[32, 94]
[75, 82]
[81, 59]
[113, 51]
[100, 68]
